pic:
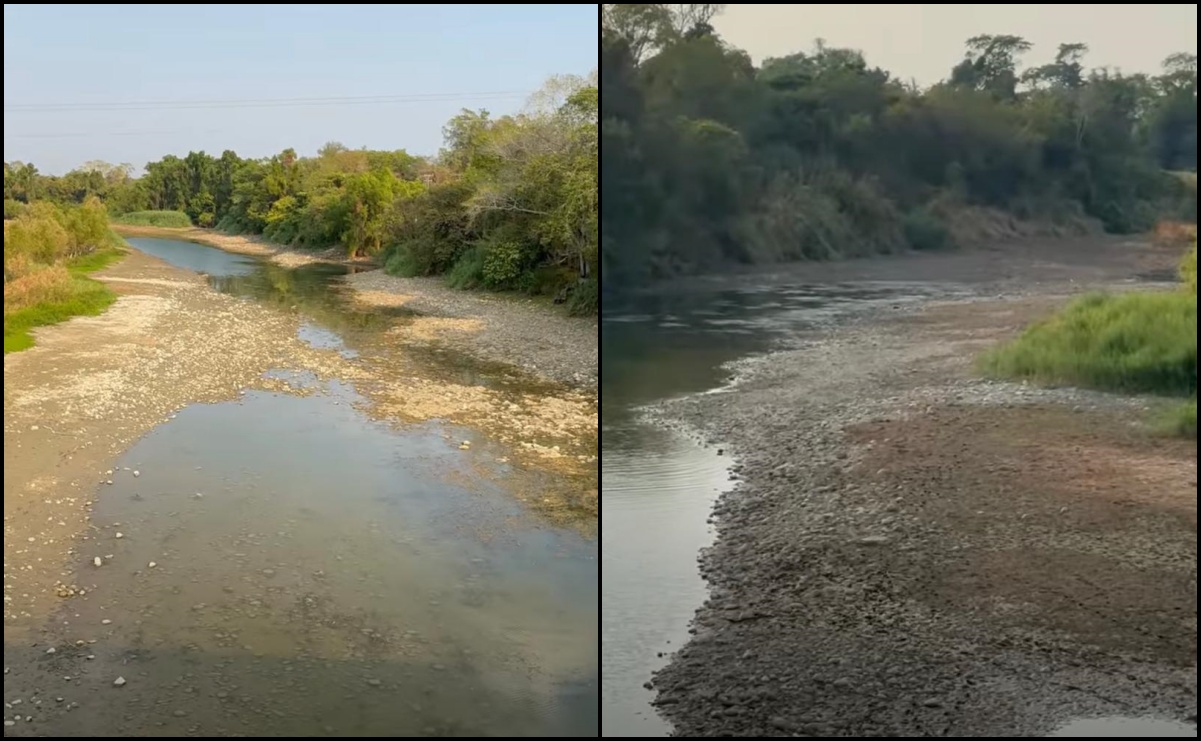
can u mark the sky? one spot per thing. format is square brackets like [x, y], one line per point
[923, 42]
[72, 71]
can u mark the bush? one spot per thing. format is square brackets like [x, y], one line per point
[925, 231]
[1138, 342]
[13, 209]
[163, 219]
[468, 271]
[585, 300]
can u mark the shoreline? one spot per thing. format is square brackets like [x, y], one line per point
[910, 550]
[517, 331]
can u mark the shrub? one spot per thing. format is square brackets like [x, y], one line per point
[925, 231]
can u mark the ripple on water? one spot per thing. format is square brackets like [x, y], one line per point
[657, 496]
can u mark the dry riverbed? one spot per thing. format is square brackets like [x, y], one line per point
[522, 332]
[94, 386]
[913, 551]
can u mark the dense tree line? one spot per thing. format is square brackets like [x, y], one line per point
[708, 159]
[509, 204]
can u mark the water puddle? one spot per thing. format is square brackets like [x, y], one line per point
[1118, 727]
[287, 566]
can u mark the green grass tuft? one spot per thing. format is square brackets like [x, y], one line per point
[1180, 420]
[1138, 342]
[166, 219]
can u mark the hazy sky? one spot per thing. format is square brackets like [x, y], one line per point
[78, 57]
[925, 41]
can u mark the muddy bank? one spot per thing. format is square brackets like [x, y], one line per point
[525, 333]
[911, 551]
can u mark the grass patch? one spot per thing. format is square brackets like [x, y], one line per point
[1136, 343]
[1180, 420]
[55, 294]
[166, 219]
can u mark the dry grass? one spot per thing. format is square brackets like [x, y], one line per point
[45, 284]
[1175, 233]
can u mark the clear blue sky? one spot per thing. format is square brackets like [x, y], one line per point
[85, 56]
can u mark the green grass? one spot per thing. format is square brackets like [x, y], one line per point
[1180, 420]
[89, 298]
[167, 219]
[1135, 343]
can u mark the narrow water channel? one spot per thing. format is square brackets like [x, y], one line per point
[284, 565]
[659, 486]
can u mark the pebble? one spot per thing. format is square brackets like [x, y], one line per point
[97, 562]
[137, 473]
[51, 650]
[153, 564]
[373, 682]
[120, 535]
[106, 621]
[10, 723]
[119, 682]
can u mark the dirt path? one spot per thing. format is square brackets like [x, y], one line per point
[912, 551]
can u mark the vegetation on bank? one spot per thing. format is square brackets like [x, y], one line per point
[709, 159]
[510, 203]
[161, 219]
[48, 252]
[1134, 342]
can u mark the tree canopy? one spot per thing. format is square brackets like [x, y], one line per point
[708, 159]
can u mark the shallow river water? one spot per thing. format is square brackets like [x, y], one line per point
[287, 565]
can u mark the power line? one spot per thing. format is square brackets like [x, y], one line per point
[92, 134]
[264, 102]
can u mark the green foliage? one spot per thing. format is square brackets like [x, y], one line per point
[585, 299]
[507, 205]
[164, 219]
[925, 231]
[1136, 342]
[1180, 420]
[817, 155]
[1188, 270]
[48, 252]
[13, 209]
[468, 270]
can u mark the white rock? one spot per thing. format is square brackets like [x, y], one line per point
[119, 682]
[137, 473]
[51, 650]
[97, 562]
[153, 564]
[106, 621]
[120, 535]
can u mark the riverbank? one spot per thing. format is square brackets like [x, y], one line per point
[914, 551]
[522, 332]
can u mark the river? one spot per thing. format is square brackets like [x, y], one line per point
[658, 485]
[301, 568]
